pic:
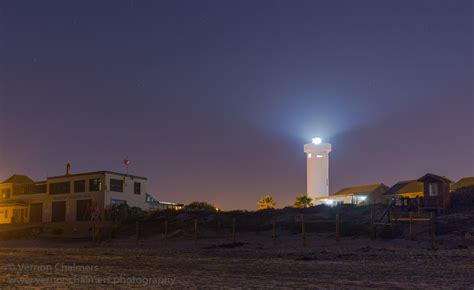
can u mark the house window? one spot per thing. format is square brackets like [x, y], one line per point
[95, 184]
[79, 186]
[116, 185]
[40, 188]
[137, 188]
[60, 188]
[6, 193]
[433, 189]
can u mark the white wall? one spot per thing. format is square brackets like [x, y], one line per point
[128, 194]
[317, 169]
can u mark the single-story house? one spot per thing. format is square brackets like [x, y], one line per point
[405, 189]
[357, 195]
[436, 191]
[463, 182]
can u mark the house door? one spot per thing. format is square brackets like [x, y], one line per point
[36, 213]
[58, 211]
[83, 210]
[16, 215]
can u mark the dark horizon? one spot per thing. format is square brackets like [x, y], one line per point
[213, 100]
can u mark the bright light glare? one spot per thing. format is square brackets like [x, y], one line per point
[363, 197]
[329, 202]
[319, 156]
[309, 155]
[317, 141]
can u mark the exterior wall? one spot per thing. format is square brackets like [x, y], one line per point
[132, 199]
[7, 212]
[442, 200]
[334, 200]
[100, 198]
[317, 169]
[377, 195]
[71, 198]
[358, 198]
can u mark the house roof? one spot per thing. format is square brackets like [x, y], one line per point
[18, 178]
[406, 186]
[464, 182]
[98, 172]
[434, 177]
[363, 189]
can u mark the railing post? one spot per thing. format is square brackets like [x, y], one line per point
[372, 229]
[338, 228]
[195, 230]
[93, 231]
[390, 219]
[110, 231]
[303, 231]
[433, 241]
[274, 230]
[137, 232]
[233, 230]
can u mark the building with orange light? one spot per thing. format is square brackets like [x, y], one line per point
[69, 197]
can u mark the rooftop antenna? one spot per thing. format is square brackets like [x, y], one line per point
[126, 162]
[68, 168]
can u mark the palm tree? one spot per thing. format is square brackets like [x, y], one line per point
[303, 201]
[266, 202]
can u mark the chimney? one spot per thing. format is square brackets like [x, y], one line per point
[68, 168]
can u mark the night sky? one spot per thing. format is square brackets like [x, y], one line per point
[213, 100]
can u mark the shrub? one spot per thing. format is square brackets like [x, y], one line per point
[463, 197]
[200, 206]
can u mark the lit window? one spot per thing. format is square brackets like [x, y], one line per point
[319, 156]
[309, 155]
[118, 201]
[433, 189]
[95, 185]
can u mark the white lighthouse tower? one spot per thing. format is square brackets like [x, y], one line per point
[317, 174]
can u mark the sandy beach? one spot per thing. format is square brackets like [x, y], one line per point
[254, 261]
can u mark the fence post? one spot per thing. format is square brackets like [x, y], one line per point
[274, 230]
[166, 229]
[93, 231]
[137, 232]
[412, 234]
[390, 220]
[110, 231]
[372, 228]
[303, 230]
[433, 241]
[195, 230]
[233, 230]
[338, 228]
